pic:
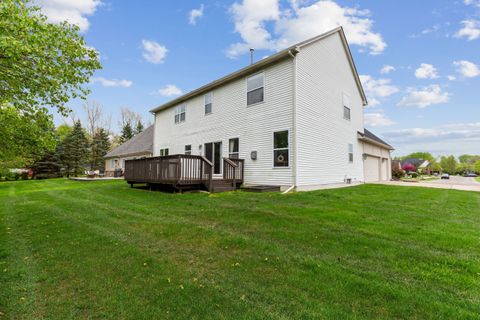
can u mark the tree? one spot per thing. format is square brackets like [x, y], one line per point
[470, 159]
[100, 147]
[41, 64]
[127, 133]
[139, 128]
[408, 167]
[477, 167]
[449, 164]
[63, 131]
[75, 150]
[422, 155]
[24, 137]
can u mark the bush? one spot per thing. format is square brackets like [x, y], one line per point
[10, 176]
[24, 175]
[409, 167]
[414, 174]
[398, 173]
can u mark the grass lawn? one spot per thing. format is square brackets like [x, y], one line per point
[71, 250]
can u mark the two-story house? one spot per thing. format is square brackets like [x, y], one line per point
[295, 118]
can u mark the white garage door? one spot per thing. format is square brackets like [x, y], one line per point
[384, 170]
[372, 169]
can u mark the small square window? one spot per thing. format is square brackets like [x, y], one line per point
[346, 113]
[188, 149]
[346, 106]
[350, 152]
[233, 147]
[164, 152]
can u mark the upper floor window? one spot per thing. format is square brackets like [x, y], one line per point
[346, 107]
[208, 103]
[233, 145]
[188, 149]
[255, 88]
[163, 152]
[350, 152]
[180, 113]
[280, 149]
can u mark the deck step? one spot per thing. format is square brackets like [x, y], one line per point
[220, 185]
[261, 188]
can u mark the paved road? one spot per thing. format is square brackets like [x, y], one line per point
[457, 183]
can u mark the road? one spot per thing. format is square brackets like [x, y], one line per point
[455, 182]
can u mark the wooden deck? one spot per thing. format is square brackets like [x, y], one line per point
[184, 172]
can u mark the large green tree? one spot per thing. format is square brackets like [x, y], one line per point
[127, 133]
[42, 66]
[477, 167]
[100, 146]
[75, 150]
[468, 158]
[449, 164]
[422, 155]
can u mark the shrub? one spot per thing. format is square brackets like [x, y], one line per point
[24, 175]
[409, 167]
[398, 173]
[414, 174]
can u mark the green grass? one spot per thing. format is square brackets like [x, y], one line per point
[73, 250]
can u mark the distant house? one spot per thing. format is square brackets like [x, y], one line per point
[419, 164]
[140, 146]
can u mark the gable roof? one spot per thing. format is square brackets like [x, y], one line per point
[140, 144]
[288, 52]
[368, 136]
[416, 162]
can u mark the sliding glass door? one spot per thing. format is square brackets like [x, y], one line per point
[213, 152]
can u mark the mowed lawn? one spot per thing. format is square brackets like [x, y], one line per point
[73, 250]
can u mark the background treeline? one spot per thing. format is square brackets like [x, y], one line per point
[450, 164]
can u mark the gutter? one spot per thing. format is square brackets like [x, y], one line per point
[293, 53]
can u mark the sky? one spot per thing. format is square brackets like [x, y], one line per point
[419, 61]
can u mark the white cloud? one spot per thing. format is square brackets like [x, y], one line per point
[195, 14]
[377, 89]
[467, 69]
[153, 51]
[424, 97]
[386, 69]
[426, 71]
[472, 2]
[111, 82]
[264, 25]
[432, 29]
[470, 30]
[377, 119]
[454, 131]
[170, 90]
[73, 11]
[452, 77]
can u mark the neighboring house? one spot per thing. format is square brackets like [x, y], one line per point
[419, 164]
[295, 118]
[140, 146]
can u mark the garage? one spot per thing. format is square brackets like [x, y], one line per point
[376, 157]
[372, 169]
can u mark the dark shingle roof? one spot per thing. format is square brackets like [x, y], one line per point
[369, 135]
[141, 143]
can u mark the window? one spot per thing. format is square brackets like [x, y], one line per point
[280, 149]
[255, 89]
[350, 152]
[180, 114]
[188, 149]
[233, 148]
[208, 103]
[346, 107]
[163, 152]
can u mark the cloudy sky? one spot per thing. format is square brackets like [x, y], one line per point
[418, 60]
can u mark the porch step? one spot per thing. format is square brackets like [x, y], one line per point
[221, 185]
[261, 188]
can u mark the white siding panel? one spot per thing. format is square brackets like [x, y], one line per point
[324, 75]
[231, 118]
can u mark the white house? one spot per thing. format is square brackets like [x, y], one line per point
[296, 118]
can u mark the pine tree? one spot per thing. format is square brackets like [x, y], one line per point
[127, 133]
[100, 146]
[139, 128]
[75, 150]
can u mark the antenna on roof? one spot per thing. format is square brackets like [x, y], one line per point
[251, 55]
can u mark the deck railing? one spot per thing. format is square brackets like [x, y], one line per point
[233, 170]
[177, 170]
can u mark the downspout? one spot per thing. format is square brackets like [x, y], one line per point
[293, 54]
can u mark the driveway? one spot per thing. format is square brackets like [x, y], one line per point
[455, 182]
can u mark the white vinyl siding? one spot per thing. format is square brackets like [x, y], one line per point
[255, 89]
[253, 127]
[180, 113]
[324, 75]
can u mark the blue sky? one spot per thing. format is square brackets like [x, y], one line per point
[419, 60]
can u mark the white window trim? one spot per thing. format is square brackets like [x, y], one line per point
[247, 91]
[162, 149]
[289, 150]
[205, 103]
[228, 151]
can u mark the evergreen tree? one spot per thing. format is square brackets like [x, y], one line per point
[49, 166]
[139, 128]
[100, 146]
[127, 133]
[75, 150]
